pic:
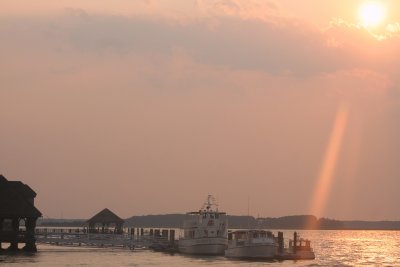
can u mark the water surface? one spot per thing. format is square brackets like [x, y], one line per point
[332, 248]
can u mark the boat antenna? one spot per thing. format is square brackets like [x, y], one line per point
[209, 203]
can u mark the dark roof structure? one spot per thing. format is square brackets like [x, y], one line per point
[105, 216]
[17, 200]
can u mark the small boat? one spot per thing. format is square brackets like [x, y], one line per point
[251, 244]
[299, 249]
[205, 231]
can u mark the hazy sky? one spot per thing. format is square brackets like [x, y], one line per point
[145, 107]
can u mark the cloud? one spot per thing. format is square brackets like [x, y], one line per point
[230, 34]
[393, 28]
[278, 46]
[251, 9]
[388, 32]
[365, 49]
[232, 42]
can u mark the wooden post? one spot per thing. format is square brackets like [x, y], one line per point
[164, 234]
[157, 232]
[15, 228]
[280, 242]
[172, 236]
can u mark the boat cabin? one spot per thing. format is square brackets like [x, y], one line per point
[207, 222]
[249, 234]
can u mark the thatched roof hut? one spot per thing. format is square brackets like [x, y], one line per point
[105, 221]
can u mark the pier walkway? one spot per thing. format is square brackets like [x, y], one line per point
[78, 237]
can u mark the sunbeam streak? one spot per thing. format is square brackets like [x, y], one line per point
[323, 184]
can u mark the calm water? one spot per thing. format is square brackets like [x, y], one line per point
[332, 248]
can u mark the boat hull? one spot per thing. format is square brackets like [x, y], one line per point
[253, 251]
[299, 255]
[203, 246]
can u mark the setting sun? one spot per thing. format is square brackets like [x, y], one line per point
[372, 14]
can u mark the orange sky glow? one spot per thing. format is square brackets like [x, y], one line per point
[121, 104]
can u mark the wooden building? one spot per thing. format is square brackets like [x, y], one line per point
[18, 215]
[105, 222]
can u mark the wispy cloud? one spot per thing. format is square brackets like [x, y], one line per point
[383, 33]
[252, 9]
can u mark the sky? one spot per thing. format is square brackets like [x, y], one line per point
[146, 107]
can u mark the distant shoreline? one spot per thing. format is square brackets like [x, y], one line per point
[296, 222]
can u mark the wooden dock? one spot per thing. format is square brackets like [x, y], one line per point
[80, 237]
[154, 239]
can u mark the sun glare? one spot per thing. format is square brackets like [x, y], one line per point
[372, 14]
[324, 181]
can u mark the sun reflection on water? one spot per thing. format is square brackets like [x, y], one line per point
[355, 248]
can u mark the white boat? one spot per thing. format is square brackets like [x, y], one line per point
[205, 231]
[251, 244]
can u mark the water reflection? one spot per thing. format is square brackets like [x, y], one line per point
[19, 257]
[357, 247]
[332, 248]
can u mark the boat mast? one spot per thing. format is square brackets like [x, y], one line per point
[210, 202]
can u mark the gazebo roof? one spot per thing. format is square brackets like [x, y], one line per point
[15, 200]
[105, 216]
